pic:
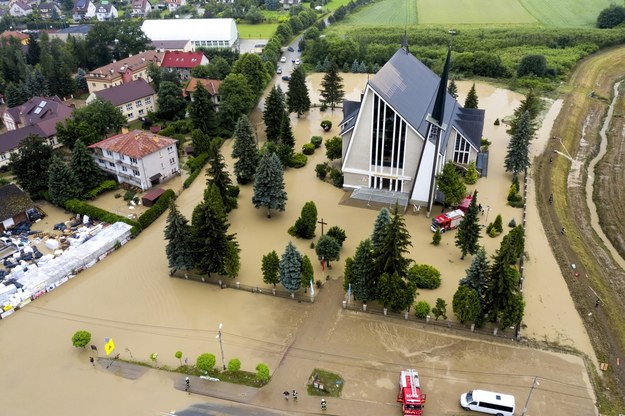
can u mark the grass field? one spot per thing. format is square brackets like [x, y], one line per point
[559, 13]
[259, 31]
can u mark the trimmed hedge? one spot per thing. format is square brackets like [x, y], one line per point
[316, 140]
[83, 208]
[155, 211]
[308, 149]
[197, 162]
[103, 187]
[191, 178]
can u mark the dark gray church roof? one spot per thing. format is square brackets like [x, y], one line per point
[350, 112]
[410, 87]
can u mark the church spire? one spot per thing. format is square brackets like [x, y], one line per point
[439, 105]
[404, 42]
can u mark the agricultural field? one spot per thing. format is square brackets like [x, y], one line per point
[259, 31]
[557, 13]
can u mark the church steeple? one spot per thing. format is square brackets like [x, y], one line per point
[404, 42]
[438, 112]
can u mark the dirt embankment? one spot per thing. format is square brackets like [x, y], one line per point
[562, 170]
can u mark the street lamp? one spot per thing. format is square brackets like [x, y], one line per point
[221, 346]
[487, 212]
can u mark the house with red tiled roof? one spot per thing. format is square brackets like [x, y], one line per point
[135, 99]
[123, 71]
[138, 158]
[22, 37]
[211, 85]
[183, 62]
[38, 116]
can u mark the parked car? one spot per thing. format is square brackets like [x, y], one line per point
[297, 62]
[299, 49]
[279, 70]
[286, 78]
[283, 59]
[290, 49]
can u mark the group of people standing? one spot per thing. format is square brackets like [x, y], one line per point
[286, 394]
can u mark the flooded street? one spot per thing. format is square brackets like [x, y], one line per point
[130, 297]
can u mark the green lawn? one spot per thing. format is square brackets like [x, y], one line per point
[472, 11]
[566, 12]
[384, 12]
[335, 4]
[259, 31]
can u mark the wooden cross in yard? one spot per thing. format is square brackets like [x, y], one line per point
[322, 224]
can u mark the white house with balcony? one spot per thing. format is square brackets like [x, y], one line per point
[138, 158]
[135, 99]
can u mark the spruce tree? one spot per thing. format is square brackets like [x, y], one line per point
[217, 174]
[245, 150]
[202, 111]
[390, 257]
[327, 249]
[178, 234]
[271, 268]
[381, 221]
[332, 92]
[532, 104]
[452, 89]
[516, 241]
[291, 268]
[477, 278]
[297, 99]
[273, 114]
[306, 224]
[84, 167]
[468, 233]
[210, 233]
[232, 262]
[269, 184]
[471, 100]
[308, 273]
[32, 56]
[362, 278]
[451, 184]
[36, 84]
[62, 184]
[517, 158]
[502, 283]
[512, 315]
[286, 132]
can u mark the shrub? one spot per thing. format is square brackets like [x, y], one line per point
[205, 362]
[497, 122]
[197, 162]
[422, 309]
[81, 339]
[470, 177]
[262, 372]
[316, 140]
[191, 178]
[440, 309]
[436, 237]
[103, 187]
[129, 195]
[336, 176]
[512, 223]
[326, 125]
[322, 170]
[491, 231]
[498, 224]
[234, 365]
[178, 355]
[298, 160]
[155, 211]
[234, 191]
[484, 144]
[308, 149]
[338, 234]
[118, 195]
[424, 276]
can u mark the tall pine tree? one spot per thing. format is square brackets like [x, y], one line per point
[291, 268]
[452, 89]
[502, 282]
[532, 104]
[178, 234]
[363, 283]
[273, 114]
[390, 257]
[85, 168]
[381, 221]
[471, 100]
[468, 233]
[62, 184]
[517, 159]
[297, 98]
[269, 184]
[217, 174]
[332, 92]
[477, 278]
[245, 151]
[202, 112]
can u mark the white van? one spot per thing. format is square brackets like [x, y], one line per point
[488, 402]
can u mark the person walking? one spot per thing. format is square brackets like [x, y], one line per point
[92, 361]
[286, 395]
[294, 394]
[324, 406]
[187, 384]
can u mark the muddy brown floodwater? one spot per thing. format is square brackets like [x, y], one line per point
[130, 298]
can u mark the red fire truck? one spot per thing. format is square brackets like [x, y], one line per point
[464, 205]
[447, 221]
[409, 394]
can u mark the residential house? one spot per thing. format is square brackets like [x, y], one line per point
[209, 33]
[14, 206]
[105, 11]
[135, 98]
[211, 85]
[183, 62]
[49, 11]
[123, 71]
[78, 31]
[173, 5]
[138, 158]
[287, 4]
[140, 8]
[38, 117]
[20, 8]
[83, 10]
[173, 45]
[23, 38]
[403, 130]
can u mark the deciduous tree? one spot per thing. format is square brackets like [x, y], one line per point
[271, 268]
[30, 165]
[80, 339]
[179, 236]
[308, 272]
[237, 98]
[334, 148]
[440, 309]
[327, 249]
[171, 103]
[451, 184]
[466, 304]
[269, 184]
[306, 224]
[251, 67]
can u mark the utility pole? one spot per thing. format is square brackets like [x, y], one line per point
[221, 346]
[527, 402]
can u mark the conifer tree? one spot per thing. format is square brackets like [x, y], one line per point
[381, 221]
[210, 233]
[62, 184]
[297, 99]
[332, 92]
[217, 174]
[471, 100]
[273, 114]
[306, 224]
[468, 233]
[286, 132]
[395, 293]
[502, 282]
[517, 159]
[477, 278]
[245, 150]
[516, 241]
[291, 268]
[202, 112]
[452, 89]
[362, 279]
[512, 315]
[532, 104]
[84, 167]
[36, 83]
[232, 262]
[308, 272]
[269, 184]
[178, 234]
[327, 249]
[390, 257]
[271, 268]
